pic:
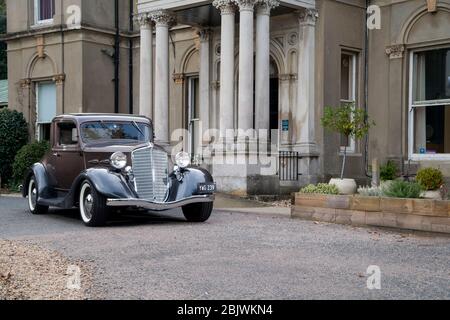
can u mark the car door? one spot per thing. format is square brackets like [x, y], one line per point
[66, 155]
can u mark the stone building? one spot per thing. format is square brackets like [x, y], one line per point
[241, 64]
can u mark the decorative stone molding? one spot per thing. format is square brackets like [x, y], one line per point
[40, 45]
[225, 6]
[395, 51]
[25, 83]
[292, 39]
[59, 79]
[143, 19]
[432, 6]
[287, 77]
[203, 34]
[163, 18]
[263, 7]
[179, 78]
[245, 5]
[308, 16]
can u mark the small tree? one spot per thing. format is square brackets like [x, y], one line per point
[349, 121]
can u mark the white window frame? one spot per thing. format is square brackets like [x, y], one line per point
[416, 104]
[38, 123]
[351, 148]
[37, 20]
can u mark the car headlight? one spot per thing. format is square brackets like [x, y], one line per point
[183, 160]
[118, 160]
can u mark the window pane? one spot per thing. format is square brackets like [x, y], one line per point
[432, 130]
[432, 75]
[346, 77]
[46, 9]
[46, 108]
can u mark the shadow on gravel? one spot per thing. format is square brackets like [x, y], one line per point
[122, 219]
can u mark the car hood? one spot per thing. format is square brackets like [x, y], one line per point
[95, 156]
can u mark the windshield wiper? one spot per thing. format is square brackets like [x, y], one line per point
[139, 129]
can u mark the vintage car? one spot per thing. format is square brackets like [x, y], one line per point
[99, 162]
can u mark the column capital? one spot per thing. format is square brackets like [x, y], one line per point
[163, 18]
[143, 19]
[225, 6]
[308, 16]
[395, 51]
[203, 34]
[245, 5]
[263, 7]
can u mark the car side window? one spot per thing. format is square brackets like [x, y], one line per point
[68, 135]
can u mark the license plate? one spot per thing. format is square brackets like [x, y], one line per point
[206, 188]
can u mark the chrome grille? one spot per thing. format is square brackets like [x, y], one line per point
[150, 168]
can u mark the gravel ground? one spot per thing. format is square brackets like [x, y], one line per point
[28, 271]
[236, 256]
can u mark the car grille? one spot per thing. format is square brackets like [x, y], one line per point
[150, 168]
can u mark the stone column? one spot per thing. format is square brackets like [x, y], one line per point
[163, 21]
[304, 116]
[246, 65]
[227, 10]
[204, 79]
[146, 65]
[262, 70]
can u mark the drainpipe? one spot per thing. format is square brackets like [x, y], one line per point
[366, 90]
[63, 56]
[130, 60]
[116, 57]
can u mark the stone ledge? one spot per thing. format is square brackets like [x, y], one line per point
[415, 214]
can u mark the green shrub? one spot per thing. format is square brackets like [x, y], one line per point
[430, 178]
[321, 188]
[13, 136]
[403, 189]
[26, 157]
[388, 171]
[370, 191]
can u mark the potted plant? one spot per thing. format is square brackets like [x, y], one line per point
[431, 180]
[351, 122]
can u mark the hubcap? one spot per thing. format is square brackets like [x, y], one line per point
[32, 195]
[86, 203]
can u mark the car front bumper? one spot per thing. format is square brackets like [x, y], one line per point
[159, 206]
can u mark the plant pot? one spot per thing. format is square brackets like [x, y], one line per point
[345, 186]
[434, 195]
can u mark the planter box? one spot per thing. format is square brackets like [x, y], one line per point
[415, 214]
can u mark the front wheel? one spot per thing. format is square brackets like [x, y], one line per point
[93, 209]
[198, 212]
[33, 196]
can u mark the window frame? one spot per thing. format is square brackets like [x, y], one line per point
[351, 148]
[412, 105]
[38, 123]
[37, 20]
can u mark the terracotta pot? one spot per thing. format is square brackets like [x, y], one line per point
[345, 186]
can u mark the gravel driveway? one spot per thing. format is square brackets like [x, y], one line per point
[236, 256]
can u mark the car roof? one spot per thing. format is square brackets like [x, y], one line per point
[89, 117]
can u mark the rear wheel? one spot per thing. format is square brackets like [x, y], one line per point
[33, 196]
[93, 209]
[198, 212]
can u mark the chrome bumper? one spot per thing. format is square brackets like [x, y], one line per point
[158, 206]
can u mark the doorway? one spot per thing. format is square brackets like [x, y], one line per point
[193, 116]
[274, 103]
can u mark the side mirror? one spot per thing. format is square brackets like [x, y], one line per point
[74, 135]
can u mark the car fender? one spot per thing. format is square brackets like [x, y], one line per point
[110, 184]
[45, 189]
[188, 186]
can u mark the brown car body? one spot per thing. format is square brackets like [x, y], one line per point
[58, 178]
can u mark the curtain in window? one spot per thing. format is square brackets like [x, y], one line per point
[46, 104]
[46, 9]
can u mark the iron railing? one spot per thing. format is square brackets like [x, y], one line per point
[288, 168]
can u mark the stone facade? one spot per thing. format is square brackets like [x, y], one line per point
[192, 68]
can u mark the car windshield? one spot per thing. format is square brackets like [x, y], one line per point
[119, 132]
